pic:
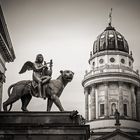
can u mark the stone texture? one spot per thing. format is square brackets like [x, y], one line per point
[42, 125]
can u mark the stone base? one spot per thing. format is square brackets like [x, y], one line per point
[42, 126]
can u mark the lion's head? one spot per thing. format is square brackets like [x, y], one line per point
[67, 75]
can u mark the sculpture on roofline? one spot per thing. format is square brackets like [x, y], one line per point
[41, 86]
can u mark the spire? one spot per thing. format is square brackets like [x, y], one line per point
[110, 17]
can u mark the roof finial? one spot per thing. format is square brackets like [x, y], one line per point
[110, 17]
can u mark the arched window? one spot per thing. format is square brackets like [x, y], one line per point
[111, 42]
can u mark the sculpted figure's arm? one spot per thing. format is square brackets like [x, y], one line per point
[39, 69]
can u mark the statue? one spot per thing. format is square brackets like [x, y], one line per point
[39, 77]
[52, 89]
[117, 117]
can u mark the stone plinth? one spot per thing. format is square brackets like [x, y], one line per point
[42, 126]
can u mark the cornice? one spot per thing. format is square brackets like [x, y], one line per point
[5, 51]
[1, 62]
[111, 76]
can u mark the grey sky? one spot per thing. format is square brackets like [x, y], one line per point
[64, 30]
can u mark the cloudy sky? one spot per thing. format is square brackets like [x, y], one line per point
[64, 30]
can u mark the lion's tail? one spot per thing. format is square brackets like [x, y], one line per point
[9, 93]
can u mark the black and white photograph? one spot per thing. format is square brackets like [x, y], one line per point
[69, 70]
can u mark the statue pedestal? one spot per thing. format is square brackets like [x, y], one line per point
[42, 126]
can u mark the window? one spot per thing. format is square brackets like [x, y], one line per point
[101, 109]
[111, 35]
[125, 109]
[111, 42]
[95, 47]
[112, 59]
[101, 61]
[119, 36]
[120, 44]
[122, 60]
[102, 42]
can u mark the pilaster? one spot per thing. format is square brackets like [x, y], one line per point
[133, 101]
[121, 111]
[106, 100]
[93, 103]
[86, 104]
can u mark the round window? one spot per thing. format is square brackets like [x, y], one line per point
[112, 59]
[101, 61]
[122, 60]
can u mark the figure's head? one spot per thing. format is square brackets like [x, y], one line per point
[39, 58]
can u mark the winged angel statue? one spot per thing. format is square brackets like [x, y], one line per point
[41, 86]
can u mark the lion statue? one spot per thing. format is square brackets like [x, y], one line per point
[24, 90]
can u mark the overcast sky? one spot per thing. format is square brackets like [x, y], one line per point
[64, 30]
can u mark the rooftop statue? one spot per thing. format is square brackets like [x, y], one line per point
[41, 86]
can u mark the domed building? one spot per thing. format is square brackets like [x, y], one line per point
[112, 87]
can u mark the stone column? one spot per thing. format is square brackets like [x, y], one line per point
[133, 102]
[121, 111]
[86, 105]
[138, 103]
[106, 100]
[92, 105]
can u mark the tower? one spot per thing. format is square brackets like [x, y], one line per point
[111, 84]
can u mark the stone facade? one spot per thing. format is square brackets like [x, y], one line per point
[6, 51]
[43, 126]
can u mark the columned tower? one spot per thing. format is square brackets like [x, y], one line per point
[111, 84]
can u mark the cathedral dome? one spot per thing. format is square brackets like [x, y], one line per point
[110, 39]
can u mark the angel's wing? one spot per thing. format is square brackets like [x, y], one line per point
[27, 66]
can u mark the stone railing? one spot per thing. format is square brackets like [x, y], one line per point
[112, 68]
